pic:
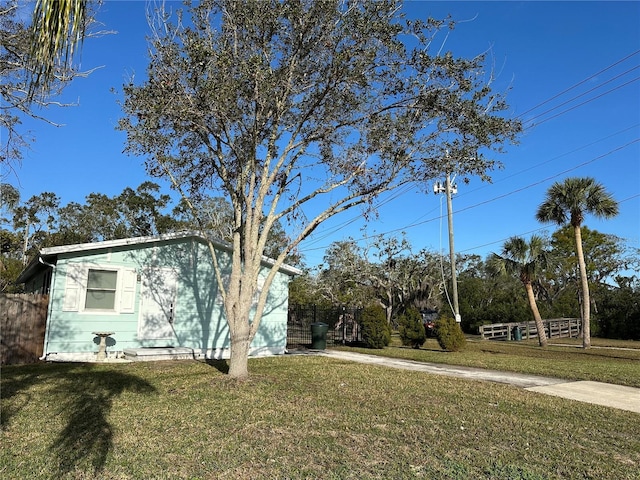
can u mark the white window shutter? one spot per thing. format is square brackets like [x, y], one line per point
[128, 292]
[73, 289]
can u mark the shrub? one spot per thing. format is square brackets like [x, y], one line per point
[411, 328]
[375, 330]
[449, 335]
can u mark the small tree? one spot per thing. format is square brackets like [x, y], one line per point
[375, 329]
[411, 328]
[449, 335]
[524, 260]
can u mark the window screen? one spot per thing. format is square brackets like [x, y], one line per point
[101, 290]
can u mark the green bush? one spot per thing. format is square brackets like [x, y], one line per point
[449, 335]
[375, 330]
[411, 328]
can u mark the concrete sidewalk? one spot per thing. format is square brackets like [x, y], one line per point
[606, 394]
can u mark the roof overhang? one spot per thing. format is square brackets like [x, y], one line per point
[38, 264]
[48, 256]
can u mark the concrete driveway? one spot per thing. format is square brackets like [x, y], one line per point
[606, 394]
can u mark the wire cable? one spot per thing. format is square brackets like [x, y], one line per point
[328, 233]
[499, 197]
[580, 83]
[583, 103]
[531, 231]
[584, 93]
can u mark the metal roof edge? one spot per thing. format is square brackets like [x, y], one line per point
[124, 242]
[53, 252]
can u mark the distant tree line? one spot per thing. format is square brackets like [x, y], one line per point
[42, 221]
[388, 273]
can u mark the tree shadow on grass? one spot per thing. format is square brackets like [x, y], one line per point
[87, 396]
[83, 395]
[221, 365]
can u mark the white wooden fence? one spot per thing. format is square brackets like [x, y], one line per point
[554, 328]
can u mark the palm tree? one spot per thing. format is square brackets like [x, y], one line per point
[567, 203]
[523, 260]
[58, 28]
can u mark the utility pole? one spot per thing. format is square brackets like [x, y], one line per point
[448, 189]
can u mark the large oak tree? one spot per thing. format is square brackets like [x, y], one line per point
[297, 111]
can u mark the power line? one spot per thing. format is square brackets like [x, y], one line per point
[504, 239]
[532, 231]
[584, 93]
[580, 83]
[327, 233]
[552, 159]
[531, 125]
[599, 157]
[583, 103]
[526, 187]
[336, 228]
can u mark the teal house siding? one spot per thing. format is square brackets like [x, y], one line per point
[149, 292]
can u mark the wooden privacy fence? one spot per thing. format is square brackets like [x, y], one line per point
[554, 328]
[22, 326]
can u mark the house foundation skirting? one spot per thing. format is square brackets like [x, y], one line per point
[84, 357]
[158, 353]
[225, 353]
[149, 354]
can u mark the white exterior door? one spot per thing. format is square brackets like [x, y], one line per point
[157, 304]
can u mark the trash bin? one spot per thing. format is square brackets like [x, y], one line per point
[319, 335]
[516, 333]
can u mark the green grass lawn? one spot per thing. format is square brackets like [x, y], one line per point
[299, 417]
[610, 361]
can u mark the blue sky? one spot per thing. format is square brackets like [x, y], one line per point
[572, 69]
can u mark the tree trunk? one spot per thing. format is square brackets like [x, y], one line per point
[542, 336]
[586, 305]
[240, 344]
[25, 245]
